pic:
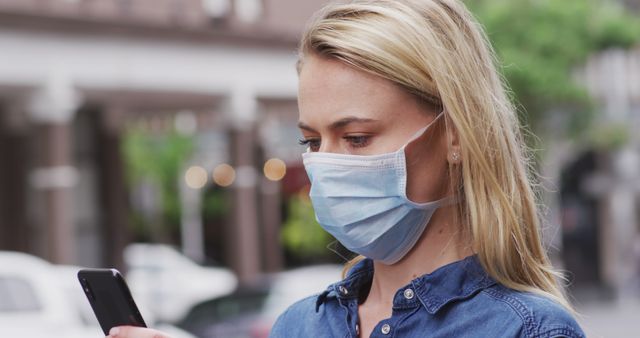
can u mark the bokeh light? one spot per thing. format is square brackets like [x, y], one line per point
[196, 177]
[275, 169]
[224, 175]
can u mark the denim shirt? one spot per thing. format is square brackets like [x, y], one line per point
[456, 300]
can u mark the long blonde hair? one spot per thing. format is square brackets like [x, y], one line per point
[437, 51]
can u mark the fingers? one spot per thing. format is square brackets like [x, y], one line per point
[135, 332]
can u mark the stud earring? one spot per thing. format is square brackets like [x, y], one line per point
[455, 156]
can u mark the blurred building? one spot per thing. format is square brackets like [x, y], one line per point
[632, 4]
[600, 185]
[73, 72]
[591, 189]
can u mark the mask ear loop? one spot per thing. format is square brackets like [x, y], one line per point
[423, 130]
[341, 251]
[441, 202]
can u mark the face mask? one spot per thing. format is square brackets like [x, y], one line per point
[362, 201]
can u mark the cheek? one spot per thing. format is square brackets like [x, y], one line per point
[427, 178]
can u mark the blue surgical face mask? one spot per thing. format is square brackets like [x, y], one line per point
[362, 201]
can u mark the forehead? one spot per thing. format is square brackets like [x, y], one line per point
[330, 89]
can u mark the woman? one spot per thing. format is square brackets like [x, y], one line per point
[417, 164]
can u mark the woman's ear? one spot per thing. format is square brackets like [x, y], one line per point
[454, 155]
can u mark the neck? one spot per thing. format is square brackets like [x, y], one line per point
[440, 244]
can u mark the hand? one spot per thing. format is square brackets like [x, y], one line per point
[135, 332]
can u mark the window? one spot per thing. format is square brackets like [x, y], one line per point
[17, 295]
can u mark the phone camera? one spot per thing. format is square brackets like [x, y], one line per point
[87, 289]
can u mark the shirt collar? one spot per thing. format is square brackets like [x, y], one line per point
[454, 281]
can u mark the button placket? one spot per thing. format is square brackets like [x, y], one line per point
[409, 294]
[352, 316]
[385, 329]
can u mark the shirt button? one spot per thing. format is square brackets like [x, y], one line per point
[385, 329]
[408, 294]
[343, 290]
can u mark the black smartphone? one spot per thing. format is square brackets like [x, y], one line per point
[110, 298]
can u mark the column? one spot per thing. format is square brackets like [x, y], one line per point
[111, 185]
[52, 108]
[244, 252]
[271, 217]
[555, 159]
[14, 137]
[622, 231]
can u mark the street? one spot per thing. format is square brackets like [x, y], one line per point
[611, 319]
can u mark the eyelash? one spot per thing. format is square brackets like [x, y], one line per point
[304, 142]
[359, 141]
[308, 143]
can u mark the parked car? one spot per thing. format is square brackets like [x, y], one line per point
[251, 312]
[42, 300]
[32, 303]
[168, 283]
[75, 295]
[235, 315]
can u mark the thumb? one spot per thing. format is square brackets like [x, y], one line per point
[135, 332]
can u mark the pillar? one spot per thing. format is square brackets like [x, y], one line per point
[112, 190]
[14, 147]
[244, 252]
[271, 219]
[52, 108]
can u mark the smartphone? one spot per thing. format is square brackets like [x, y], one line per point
[110, 298]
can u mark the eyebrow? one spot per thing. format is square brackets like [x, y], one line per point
[341, 123]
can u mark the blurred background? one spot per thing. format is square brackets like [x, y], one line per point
[159, 137]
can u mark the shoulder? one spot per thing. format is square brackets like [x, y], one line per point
[540, 316]
[322, 315]
[292, 321]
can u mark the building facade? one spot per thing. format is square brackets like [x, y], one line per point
[73, 72]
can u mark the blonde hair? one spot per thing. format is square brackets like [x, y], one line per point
[436, 50]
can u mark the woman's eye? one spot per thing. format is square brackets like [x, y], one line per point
[358, 141]
[313, 144]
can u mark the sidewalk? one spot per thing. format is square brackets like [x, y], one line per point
[611, 319]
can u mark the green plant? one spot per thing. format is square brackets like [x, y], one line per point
[157, 159]
[301, 233]
[541, 42]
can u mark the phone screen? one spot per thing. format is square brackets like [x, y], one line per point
[110, 298]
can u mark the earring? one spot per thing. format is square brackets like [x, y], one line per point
[455, 156]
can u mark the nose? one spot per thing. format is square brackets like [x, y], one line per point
[329, 145]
